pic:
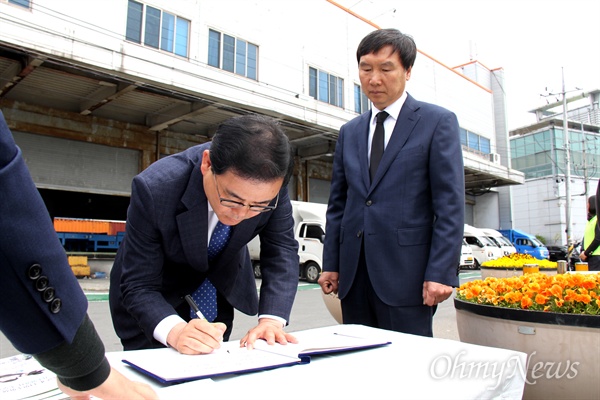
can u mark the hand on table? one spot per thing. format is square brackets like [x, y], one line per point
[116, 386]
[197, 336]
[434, 293]
[269, 330]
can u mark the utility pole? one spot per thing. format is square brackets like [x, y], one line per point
[568, 230]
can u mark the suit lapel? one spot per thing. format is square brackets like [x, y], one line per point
[407, 120]
[193, 223]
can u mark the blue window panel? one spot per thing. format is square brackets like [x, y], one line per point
[463, 137]
[134, 22]
[484, 145]
[152, 31]
[312, 82]
[167, 37]
[473, 141]
[357, 99]
[365, 102]
[332, 89]
[22, 3]
[240, 57]
[323, 86]
[340, 92]
[182, 35]
[228, 53]
[252, 61]
[214, 48]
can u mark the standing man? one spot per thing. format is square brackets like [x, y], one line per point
[238, 180]
[394, 230]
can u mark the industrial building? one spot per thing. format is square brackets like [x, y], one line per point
[94, 92]
[540, 150]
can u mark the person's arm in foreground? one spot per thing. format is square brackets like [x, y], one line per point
[83, 370]
[62, 337]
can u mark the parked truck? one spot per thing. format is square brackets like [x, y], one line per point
[467, 260]
[309, 231]
[507, 247]
[89, 235]
[526, 243]
[483, 248]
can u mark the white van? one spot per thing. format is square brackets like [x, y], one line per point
[507, 247]
[483, 248]
[466, 257]
[309, 230]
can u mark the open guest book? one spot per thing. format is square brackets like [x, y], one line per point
[169, 366]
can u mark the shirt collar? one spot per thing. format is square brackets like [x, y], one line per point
[393, 109]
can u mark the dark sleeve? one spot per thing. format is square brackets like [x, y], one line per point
[82, 364]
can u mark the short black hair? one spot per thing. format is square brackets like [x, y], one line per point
[253, 147]
[592, 204]
[402, 44]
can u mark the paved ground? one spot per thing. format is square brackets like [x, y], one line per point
[309, 311]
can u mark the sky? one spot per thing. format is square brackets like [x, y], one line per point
[534, 41]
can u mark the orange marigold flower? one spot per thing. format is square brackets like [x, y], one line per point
[541, 299]
[556, 291]
[589, 284]
[526, 302]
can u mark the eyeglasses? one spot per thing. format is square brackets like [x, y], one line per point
[237, 204]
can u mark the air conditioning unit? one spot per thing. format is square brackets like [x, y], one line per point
[495, 158]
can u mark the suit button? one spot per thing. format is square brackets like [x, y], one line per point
[34, 271]
[41, 283]
[368, 203]
[358, 234]
[55, 305]
[48, 294]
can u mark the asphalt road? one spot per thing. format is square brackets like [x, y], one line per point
[309, 311]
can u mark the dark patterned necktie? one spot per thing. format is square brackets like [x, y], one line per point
[377, 145]
[206, 294]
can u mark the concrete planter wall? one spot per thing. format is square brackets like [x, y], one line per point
[563, 349]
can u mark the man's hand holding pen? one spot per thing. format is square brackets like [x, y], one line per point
[197, 336]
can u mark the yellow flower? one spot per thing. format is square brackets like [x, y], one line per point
[517, 260]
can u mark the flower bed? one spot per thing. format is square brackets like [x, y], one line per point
[563, 293]
[517, 260]
[512, 265]
[555, 320]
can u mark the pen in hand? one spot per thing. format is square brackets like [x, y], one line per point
[194, 306]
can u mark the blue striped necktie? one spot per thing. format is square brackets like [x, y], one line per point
[206, 294]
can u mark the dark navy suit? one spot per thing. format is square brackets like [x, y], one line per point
[43, 310]
[41, 302]
[164, 253]
[409, 220]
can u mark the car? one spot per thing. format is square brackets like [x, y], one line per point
[558, 252]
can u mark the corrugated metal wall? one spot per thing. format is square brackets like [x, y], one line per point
[71, 165]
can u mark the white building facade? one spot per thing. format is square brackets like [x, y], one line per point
[111, 86]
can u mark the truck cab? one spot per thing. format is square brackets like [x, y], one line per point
[526, 243]
[466, 257]
[309, 231]
[507, 247]
[483, 248]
